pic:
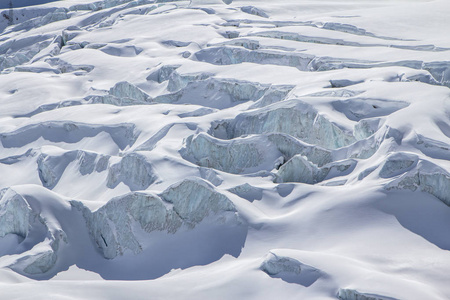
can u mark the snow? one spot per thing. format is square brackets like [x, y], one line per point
[224, 149]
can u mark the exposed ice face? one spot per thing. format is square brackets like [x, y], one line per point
[235, 55]
[254, 11]
[18, 52]
[292, 117]
[366, 127]
[67, 132]
[426, 177]
[194, 199]
[290, 146]
[398, 163]
[164, 73]
[19, 218]
[213, 92]
[350, 294]
[440, 71]
[124, 89]
[134, 170]
[15, 214]
[247, 191]
[184, 204]
[65, 67]
[300, 169]
[275, 264]
[111, 226]
[121, 94]
[52, 166]
[244, 155]
[329, 100]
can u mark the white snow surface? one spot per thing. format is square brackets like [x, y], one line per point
[224, 149]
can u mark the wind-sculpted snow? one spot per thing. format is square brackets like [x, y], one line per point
[224, 149]
[360, 108]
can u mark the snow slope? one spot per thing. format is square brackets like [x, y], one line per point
[231, 149]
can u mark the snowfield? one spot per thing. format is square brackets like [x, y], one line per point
[225, 149]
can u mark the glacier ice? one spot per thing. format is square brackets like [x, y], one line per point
[194, 199]
[360, 108]
[20, 51]
[292, 117]
[124, 89]
[344, 93]
[351, 294]
[18, 217]
[196, 88]
[65, 67]
[113, 226]
[366, 127]
[211, 92]
[162, 73]
[15, 214]
[68, 132]
[51, 167]
[300, 169]
[247, 191]
[289, 146]
[426, 177]
[252, 10]
[398, 163]
[134, 170]
[227, 55]
[274, 264]
[243, 155]
[432, 147]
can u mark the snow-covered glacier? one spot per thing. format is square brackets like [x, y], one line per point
[224, 149]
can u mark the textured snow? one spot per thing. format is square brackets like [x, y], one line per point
[224, 149]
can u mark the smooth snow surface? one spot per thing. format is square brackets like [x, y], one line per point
[224, 149]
